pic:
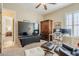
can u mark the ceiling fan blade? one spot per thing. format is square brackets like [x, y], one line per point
[45, 7]
[52, 3]
[38, 5]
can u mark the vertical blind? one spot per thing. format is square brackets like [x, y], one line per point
[72, 22]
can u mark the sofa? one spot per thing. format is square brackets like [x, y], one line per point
[26, 39]
[65, 50]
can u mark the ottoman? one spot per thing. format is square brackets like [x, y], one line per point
[37, 51]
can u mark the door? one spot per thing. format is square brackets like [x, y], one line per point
[7, 31]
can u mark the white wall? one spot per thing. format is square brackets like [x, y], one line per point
[21, 13]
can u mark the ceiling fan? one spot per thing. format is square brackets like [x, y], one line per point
[44, 5]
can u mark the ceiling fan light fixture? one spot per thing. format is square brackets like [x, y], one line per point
[45, 5]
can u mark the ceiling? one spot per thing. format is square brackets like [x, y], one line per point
[40, 10]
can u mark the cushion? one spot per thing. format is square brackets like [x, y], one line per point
[75, 52]
[57, 49]
[24, 33]
[65, 52]
[67, 47]
[48, 45]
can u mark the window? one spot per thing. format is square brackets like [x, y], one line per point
[36, 28]
[72, 22]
